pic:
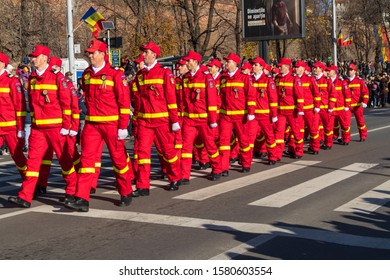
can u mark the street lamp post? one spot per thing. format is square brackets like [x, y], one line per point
[70, 38]
[334, 33]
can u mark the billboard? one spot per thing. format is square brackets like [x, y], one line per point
[273, 19]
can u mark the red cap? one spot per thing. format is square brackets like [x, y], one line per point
[268, 67]
[332, 67]
[193, 55]
[234, 57]
[96, 45]
[38, 49]
[307, 68]
[4, 59]
[55, 61]
[203, 68]
[352, 67]
[215, 62]
[259, 60]
[275, 71]
[139, 59]
[246, 65]
[284, 61]
[319, 64]
[300, 63]
[182, 61]
[151, 46]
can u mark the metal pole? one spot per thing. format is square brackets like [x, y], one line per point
[264, 51]
[334, 33]
[108, 45]
[70, 39]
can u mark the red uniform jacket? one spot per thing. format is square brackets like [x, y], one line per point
[327, 91]
[343, 94]
[134, 98]
[179, 96]
[157, 96]
[12, 104]
[199, 98]
[217, 81]
[75, 107]
[266, 97]
[311, 94]
[107, 96]
[290, 94]
[237, 95]
[50, 100]
[359, 91]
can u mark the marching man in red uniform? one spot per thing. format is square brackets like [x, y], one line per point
[290, 110]
[157, 120]
[343, 100]
[107, 98]
[266, 111]
[12, 115]
[237, 108]
[200, 116]
[328, 100]
[50, 104]
[359, 95]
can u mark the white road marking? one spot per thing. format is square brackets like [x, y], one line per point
[244, 181]
[369, 201]
[306, 188]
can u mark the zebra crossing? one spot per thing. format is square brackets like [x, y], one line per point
[366, 202]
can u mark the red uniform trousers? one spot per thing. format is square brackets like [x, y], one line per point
[206, 134]
[336, 128]
[266, 129]
[225, 133]
[234, 147]
[343, 118]
[260, 146]
[327, 120]
[296, 124]
[134, 130]
[200, 151]
[44, 171]
[98, 165]
[164, 139]
[92, 137]
[358, 111]
[312, 121]
[15, 147]
[39, 142]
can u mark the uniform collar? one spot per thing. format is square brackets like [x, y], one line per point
[40, 73]
[231, 74]
[95, 70]
[194, 73]
[147, 67]
[319, 76]
[350, 79]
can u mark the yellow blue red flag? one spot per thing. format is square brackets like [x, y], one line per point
[94, 20]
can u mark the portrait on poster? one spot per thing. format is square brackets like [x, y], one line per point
[273, 19]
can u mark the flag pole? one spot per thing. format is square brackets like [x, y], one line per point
[77, 27]
[70, 40]
[334, 33]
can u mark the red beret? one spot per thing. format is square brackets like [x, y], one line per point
[151, 46]
[215, 62]
[193, 55]
[352, 67]
[38, 49]
[300, 63]
[96, 45]
[234, 57]
[284, 61]
[4, 59]
[55, 61]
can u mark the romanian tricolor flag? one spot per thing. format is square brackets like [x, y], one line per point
[348, 40]
[94, 20]
[340, 39]
[385, 44]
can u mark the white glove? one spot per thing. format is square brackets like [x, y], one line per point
[72, 133]
[274, 119]
[301, 113]
[122, 134]
[346, 109]
[251, 117]
[213, 125]
[317, 110]
[64, 131]
[21, 134]
[175, 126]
[364, 105]
[330, 110]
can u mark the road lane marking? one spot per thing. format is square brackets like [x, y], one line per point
[372, 130]
[309, 187]
[369, 201]
[227, 226]
[244, 181]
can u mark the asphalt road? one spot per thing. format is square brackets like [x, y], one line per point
[334, 205]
